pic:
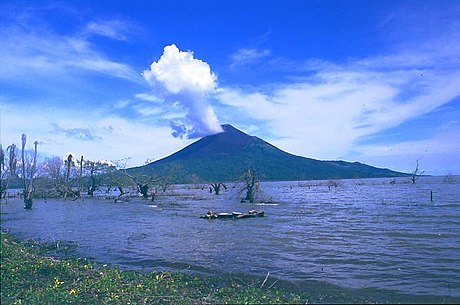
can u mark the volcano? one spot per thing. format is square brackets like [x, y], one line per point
[226, 156]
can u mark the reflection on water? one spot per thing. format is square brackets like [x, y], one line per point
[356, 233]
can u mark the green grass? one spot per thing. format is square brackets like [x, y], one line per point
[28, 276]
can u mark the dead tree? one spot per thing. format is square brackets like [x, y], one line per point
[8, 168]
[147, 184]
[251, 185]
[216, 187]
[143, 189]
[69, 162]
[60, 176]
[142, 186]
[117, 177]
[97, 171]
[162, 183]
[92, 187]
[2, 166]
[416, 173]
[28, 181]
[122, 193]
[80, 178]
[12, 161]
[150, 186]
[55, 172]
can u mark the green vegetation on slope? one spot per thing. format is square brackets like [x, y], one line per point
[226, 156]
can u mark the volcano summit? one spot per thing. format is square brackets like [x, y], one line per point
[226, 155]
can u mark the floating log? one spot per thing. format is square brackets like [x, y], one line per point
[233, 215]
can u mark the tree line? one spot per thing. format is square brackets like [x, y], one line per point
[71, 177]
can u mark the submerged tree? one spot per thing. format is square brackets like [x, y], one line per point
[53, 170]
[80, 176]
[216, 187]
[28, 173]
[12, 160]
[60, 176]
[8, 168]
[117, 177]
[416, 173]
[251, 185]
[142, 183]
[160, 184]
[148, 184]
[70, 168]
[97, 172]
[2, 167]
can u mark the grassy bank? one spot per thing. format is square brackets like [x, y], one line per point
[28, 276]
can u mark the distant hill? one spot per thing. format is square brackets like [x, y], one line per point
[225, 156]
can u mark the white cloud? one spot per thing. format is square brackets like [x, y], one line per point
[149, 97]
[112, 137]
[147, 110]
[441, 144]
[28, 53]
[179, 77]
[180, 72]
[247, 56]
[325, 115]
[115, 29]
[437, 153]
[82, 133]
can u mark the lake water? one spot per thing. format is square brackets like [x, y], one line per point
[363, 234]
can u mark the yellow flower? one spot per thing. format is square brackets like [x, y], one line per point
[139, 285]
[57, 282]
[72, 291]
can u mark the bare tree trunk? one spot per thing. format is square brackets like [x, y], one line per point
[80, 184]
[11, 168]
[250, 178]
[121, 194]
[143, 189]
[32, 171]
[27, 198]
[67, 188]
[13, 160]
[92, 187]
[2, 164]
[24, 140]
[216, 187]
[416, 174]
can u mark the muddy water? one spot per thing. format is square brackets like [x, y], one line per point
[351, 233]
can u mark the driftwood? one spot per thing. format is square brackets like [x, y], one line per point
[233, 215]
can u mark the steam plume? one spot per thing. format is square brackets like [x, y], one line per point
[179, 77]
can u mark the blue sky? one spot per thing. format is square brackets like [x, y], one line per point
[370, 81]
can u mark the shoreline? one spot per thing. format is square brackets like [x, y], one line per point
[30, 275]
[89, 231]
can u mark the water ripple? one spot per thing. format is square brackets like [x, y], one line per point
[363, 234]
